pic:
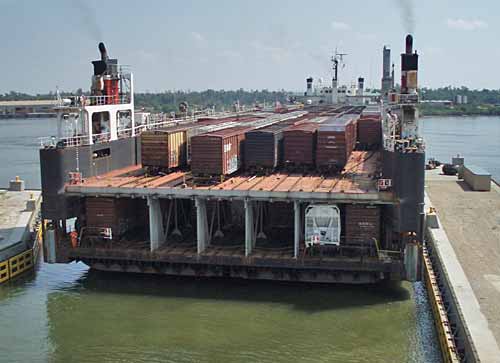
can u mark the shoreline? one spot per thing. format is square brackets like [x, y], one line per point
[459, 115]
[28, 116]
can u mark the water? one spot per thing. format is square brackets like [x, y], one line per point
[19, 142]
[69, 314]
[474, 138]
[66, 313]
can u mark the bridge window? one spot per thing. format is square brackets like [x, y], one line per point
[101, 130]
[124, 119]
[100, 122]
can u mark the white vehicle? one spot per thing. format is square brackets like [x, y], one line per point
[322, 225]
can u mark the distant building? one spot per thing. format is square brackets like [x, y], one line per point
[437, 102]
[461, 99]
[30, 108]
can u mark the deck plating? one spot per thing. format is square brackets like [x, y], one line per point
[357, 183]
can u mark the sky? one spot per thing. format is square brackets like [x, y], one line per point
[259, 44]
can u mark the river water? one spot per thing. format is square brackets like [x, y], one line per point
[477, 139]
[66, 313]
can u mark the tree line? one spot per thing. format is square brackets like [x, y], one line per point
[475, 97]
[169, 100]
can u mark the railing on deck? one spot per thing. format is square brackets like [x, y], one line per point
[102, 137]
[52, 141]
[155, 121]
[83, 101]
[72, 141]
[124, 133]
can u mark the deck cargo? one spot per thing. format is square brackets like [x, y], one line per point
[264, 147]
[121, 215]
[219, 152]
[336, 140]
[362, 224]
[149, 214]
[300, 143]
[164, 148]
[369, 131]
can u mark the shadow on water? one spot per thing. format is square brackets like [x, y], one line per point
[215, 319]
[85, 315]
[298, 295]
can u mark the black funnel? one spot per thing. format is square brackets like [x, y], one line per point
[409, 44]
[104, 53]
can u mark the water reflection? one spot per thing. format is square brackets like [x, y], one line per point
[140, 318]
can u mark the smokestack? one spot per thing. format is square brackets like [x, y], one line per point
[386, 71]
[104, 53]
[361, 83]
[386, 62]
[100, 66]
[392, 77]
[309, 82]
[409, 68]
[409, 44]
[361, 86]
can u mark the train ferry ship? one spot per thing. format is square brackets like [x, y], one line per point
[328, 191]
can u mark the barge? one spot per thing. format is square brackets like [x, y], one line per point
[195, 196]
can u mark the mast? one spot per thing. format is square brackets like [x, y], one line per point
[337, 59]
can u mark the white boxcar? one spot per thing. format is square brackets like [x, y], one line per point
[322, 225]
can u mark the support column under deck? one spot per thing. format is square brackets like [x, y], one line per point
[297, 228]
[201, 224]
[156, 231]
[249, 228]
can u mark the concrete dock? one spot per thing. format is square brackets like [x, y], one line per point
[466, 243]
[18, 211]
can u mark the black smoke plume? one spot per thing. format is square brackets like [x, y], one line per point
[407, 14]
[88, 19]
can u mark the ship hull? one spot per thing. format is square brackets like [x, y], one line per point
[407, 172]
[341, 273]
[91, 160]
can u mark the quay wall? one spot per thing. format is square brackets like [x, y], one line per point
[449, 351]
[21, 256]
[473, 338]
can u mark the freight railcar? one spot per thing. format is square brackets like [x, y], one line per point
[164, 148]
[264, 147]
[362, 224]
[119, 216]
[300, 145]
[219, 152]
[336, 139]
[369, 132]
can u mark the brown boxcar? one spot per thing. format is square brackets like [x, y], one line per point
[164, 148]
[219, 152]
[203, 125]
[369, 131]
[264, 147]
[362, 224]
[121, 215]
[299, 143]
[335, 142]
